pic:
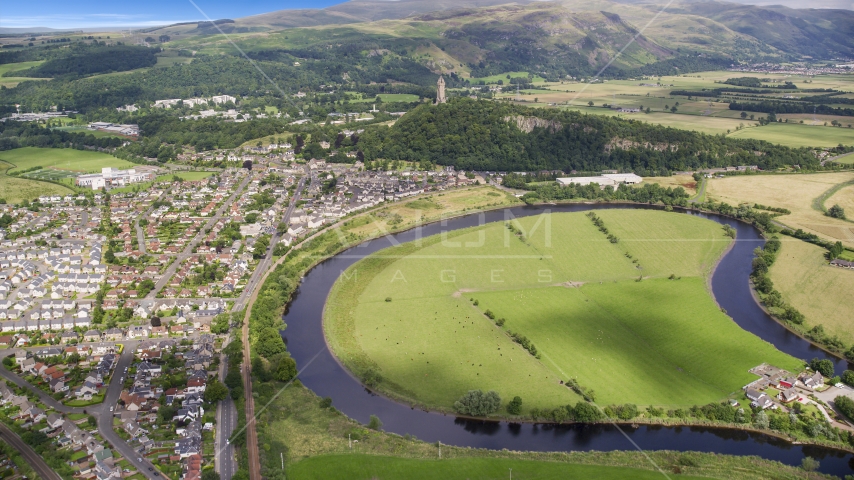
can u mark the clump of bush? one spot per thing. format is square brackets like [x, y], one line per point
[477, 403]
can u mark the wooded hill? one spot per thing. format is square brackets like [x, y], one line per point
[482, 135]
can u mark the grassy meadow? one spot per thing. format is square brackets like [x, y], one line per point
[821, 292]
[364, 466]
[844, 197]
[795, 192]
[17, 189]
[797, 135]
[406, 312]
[10, 82]
[83, 161]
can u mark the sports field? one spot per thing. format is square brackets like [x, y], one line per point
[372, 466]
[82, 161]
[406, 312]
[821, 292]
[796, 192]
[16, 189]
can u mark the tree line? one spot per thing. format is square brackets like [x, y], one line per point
[30, 134]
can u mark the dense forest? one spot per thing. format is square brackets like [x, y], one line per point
[791, 107]
[480, 135]
[26, 134]
[86, 60]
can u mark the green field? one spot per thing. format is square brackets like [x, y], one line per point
[82, 129]
[570, 291]
[17, 189]
[10, 82]
[374, 466]
[81, 161]
[503, 77]
[796, 135]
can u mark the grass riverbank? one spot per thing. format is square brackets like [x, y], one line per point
[408, 316]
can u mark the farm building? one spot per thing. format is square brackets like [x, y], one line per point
[606, 179]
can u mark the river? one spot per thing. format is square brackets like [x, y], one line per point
[322, 373]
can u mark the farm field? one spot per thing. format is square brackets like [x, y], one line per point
[821, 292]
[795, 192]
[409, 315]
[493, 79]
[845, 199]
[81, 161]
[796, 135]
[16, 190]
[10, 82]
[372, 466]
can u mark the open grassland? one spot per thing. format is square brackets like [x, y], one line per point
[505, 77]
[365, 466]
[795, 192]
[315, 443]
[82, 161]
[847, 159]
[405, 312]
[797, 135]
[16, 190]
[10, 82]
[428, 208]
[821, 292]
[666, 336]
[844, 197]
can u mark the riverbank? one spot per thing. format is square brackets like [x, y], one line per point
[319, 440]
[312, 293]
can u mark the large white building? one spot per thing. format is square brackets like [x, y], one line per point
[604, 180]
[112, 177]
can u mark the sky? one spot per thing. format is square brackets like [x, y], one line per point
[92, 13]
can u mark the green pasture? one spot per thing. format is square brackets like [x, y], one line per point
[345, 466]
[797, 135]
[406, 313]
[654, 342]
[83, 129]
[10, 81]
[504, 76]
[18, 189]
[82, 161]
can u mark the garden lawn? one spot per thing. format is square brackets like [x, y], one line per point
[374, 466]
[822, 293]
[405, 312]
[84, 161]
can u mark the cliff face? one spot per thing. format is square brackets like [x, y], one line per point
[528, 124]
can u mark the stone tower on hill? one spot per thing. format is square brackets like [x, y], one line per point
[440, 91]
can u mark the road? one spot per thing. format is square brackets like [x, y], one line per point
[188, 250]
[257, 278]
[104, 415]
[140, 234]
[101, 411]
[9, 437]
[265, 263]
[226, 415]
